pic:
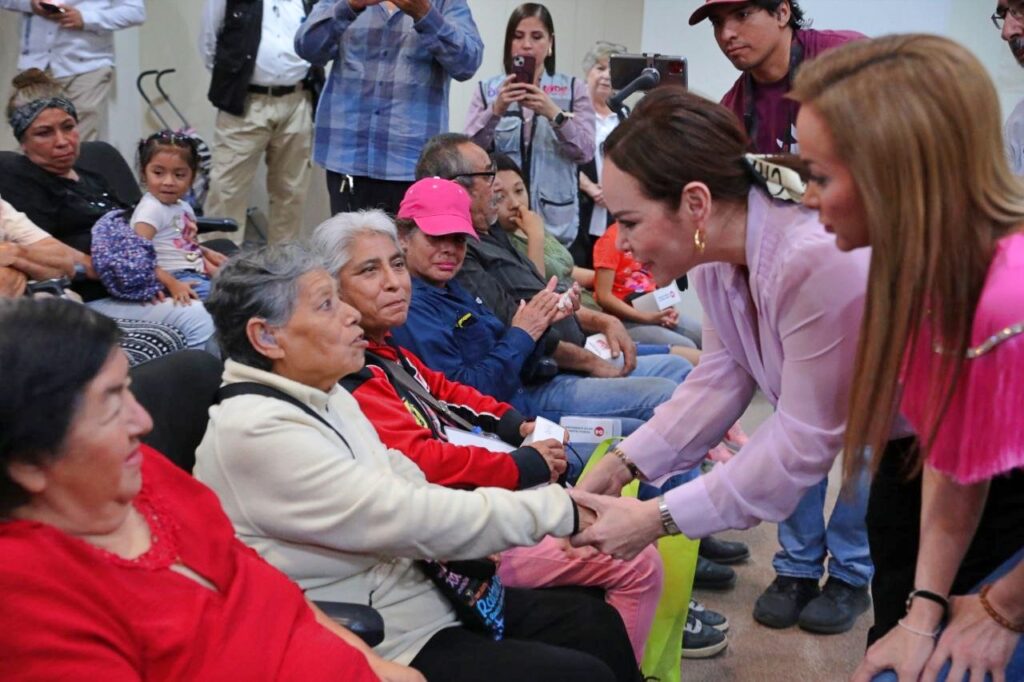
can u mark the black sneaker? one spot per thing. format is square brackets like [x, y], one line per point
[701, 641]
[836, 609]
[723, 551]
[712, 576]
[709, 617]
[780, 605]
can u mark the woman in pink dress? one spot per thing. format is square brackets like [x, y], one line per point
[902, 140]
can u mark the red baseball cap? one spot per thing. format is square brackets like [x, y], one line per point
[438, 207]
[704, 10]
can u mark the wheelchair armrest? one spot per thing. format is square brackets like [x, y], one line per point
[363, 620]
[205, 224]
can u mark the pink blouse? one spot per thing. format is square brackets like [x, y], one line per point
[981, 434]
[789, 329]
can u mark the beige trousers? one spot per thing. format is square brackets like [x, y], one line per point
[281, 127]
[90, 92]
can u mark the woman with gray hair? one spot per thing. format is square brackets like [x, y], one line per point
[593, 213]
[308, 484]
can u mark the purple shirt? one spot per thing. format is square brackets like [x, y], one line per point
[774, 114]
[791, 330]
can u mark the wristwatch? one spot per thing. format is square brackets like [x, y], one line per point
[560, 118]
[667, 523]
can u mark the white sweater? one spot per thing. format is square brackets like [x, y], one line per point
[346, 523]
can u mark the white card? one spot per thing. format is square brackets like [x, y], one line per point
[544, 429]
[591, 429]
[460, 437]
[598, 345]
[666, 297]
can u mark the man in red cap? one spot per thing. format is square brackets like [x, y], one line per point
[767, 41]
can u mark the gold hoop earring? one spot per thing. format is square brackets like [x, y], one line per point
[699, 241]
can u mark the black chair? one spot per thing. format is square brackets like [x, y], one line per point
[178, 390]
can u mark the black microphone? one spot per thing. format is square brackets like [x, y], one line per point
[647, 79]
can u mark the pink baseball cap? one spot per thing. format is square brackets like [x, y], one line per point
[438, 207]
[704, 10]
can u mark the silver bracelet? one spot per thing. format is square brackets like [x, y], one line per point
[915, 631]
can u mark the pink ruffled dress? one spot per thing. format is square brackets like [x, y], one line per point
[981, 434]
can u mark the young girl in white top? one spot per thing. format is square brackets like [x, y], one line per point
[169, 162]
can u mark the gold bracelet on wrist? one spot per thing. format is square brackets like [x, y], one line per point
[995, 615]
[634, 472]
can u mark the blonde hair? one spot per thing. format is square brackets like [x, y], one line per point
[30, 85]
[916, 120]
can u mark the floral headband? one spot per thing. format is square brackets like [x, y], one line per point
[22, 117]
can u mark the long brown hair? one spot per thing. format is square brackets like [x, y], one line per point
[916, 120]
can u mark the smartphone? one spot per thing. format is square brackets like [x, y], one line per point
[523, 68]
[50, 8]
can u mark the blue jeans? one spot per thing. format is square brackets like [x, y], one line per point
[191, 320]
[805, 539]
[200, 281]
[1015, 668]
[686, 333]
[629, 399]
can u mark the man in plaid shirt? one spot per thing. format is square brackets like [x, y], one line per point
[387, 93]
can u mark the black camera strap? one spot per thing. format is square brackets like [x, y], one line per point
[750, 122]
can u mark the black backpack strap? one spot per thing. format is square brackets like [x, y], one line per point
[252, 388]
[572, 93]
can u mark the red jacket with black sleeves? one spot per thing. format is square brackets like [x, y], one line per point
[407, 424]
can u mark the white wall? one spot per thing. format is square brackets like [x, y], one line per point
[666, 30]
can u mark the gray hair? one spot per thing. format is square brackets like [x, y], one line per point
[261, 283]
[332, 240]
[441, 158]
[602, 49]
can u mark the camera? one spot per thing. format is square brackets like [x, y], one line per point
[626, 68]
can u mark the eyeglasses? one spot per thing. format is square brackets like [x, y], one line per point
[487, 174]
[999, 16]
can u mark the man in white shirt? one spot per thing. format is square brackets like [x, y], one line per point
[259, 86]
[1009, 19]
[73, 40]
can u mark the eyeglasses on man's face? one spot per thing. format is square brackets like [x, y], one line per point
[1015, 11]
[487, 175]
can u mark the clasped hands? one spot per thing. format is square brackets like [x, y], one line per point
[618, 526]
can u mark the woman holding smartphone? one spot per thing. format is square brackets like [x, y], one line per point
[543, 120]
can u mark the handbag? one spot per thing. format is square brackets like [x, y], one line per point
[474, 590]
[124, 261]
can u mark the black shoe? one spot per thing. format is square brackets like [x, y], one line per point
[712, 576]
[780, 605]
[722, 551]
[709, 617]
[701, 641]
[836, 609]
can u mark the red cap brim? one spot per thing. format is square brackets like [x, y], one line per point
[702, 12]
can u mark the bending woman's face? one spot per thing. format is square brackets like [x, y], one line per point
[831, 189]
[51, 141]
[661, 239]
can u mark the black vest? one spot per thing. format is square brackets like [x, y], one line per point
[235, 58]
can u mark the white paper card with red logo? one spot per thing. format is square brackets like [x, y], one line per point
[659, 299]
[591, 429]
[544, 429]
[598, 345]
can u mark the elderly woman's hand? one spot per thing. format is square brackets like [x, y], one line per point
[12, 282]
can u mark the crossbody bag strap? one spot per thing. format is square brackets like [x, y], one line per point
[253, 388]
[399, 374]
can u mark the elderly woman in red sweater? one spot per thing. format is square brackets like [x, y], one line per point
[114, 563]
